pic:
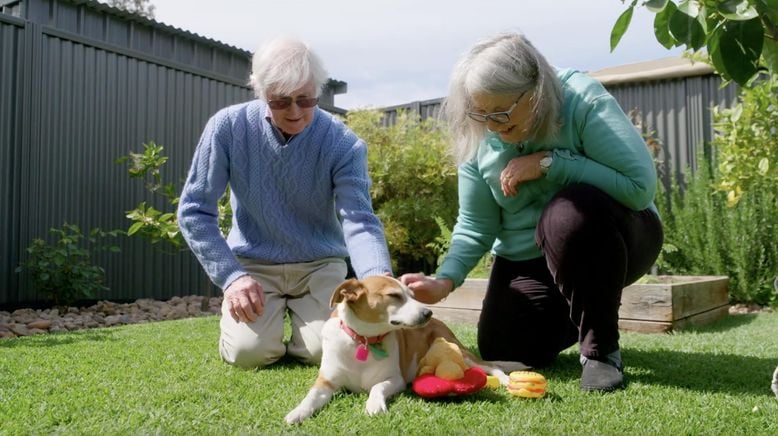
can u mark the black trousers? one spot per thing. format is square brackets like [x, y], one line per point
[593, 247]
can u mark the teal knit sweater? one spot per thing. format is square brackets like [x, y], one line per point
[597, 145]
[292, 202]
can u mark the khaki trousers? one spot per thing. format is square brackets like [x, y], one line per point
[302, 290]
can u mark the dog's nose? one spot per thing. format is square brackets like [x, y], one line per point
[426, 313]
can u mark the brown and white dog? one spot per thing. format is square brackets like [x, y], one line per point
[373, 343]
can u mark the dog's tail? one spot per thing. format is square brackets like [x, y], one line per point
[774, 385]
[508, 366]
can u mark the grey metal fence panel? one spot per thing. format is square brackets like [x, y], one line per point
[74, 97]
[678, 113]
[11, 37]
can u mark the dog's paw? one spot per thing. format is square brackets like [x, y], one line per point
[298, 415]
[375, 405]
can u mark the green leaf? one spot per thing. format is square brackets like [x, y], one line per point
[134, 228]
[662, 26]
[738, 10]
[715, 56]
[769, 8]
[770, 54]
[621, 26]
[655, 5]
[740, 47]
[764, 166]
[689, 7]
[686, 29]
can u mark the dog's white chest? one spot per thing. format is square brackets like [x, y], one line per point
[340, 363]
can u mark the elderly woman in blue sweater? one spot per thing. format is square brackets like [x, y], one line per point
[299, 194]
[558, 184]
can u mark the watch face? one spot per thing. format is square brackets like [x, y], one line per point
[545, 164]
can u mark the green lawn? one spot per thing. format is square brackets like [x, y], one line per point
[167, 378]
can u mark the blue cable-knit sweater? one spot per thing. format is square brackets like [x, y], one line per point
[298, 201]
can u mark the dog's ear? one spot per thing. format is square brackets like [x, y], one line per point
[350, 290]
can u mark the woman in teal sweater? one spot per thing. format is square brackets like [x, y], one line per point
[555, 180]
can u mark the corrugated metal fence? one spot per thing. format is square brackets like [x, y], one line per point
[82, 84]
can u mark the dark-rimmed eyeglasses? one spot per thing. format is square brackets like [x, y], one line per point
[301, 102]
[497, 117]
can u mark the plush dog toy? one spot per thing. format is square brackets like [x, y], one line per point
[444, 359]
[443, 373]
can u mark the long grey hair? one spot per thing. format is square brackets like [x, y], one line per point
[506, 63]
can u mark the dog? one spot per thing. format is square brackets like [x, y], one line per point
[774, 384]
[373, 343]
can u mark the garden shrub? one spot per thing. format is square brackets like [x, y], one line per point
[63, 271]
[705, 236]
[747, 141]
[413, 181]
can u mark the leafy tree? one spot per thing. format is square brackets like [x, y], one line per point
[740, 36]
[141, 7]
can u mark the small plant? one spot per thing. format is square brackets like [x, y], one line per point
[442, 242]
[64, 271]
[156, 225]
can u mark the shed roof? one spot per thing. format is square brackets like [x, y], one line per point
[659, 69]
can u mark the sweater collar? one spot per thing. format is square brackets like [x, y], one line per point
[278, 133]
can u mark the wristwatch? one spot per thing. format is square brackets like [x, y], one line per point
[545, 162]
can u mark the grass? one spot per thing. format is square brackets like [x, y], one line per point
[167, 378]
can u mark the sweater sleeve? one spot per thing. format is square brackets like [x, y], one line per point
[362, 230]
[198, 212]
[476, 228]
[615, 158]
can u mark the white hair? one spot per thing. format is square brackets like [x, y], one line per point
[284, 65]
[506, 63]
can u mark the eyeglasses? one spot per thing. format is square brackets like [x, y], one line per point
[301, 102]
[497, 117]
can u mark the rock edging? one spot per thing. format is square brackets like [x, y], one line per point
[27, 322]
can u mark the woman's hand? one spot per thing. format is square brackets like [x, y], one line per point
[245, 299]
[520, 169]
[426, 289]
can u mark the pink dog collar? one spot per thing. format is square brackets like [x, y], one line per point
[366, 344]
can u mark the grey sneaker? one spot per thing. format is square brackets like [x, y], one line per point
[600, 376]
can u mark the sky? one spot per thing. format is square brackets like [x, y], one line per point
[400, 51]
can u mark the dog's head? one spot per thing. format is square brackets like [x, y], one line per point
[381, 300]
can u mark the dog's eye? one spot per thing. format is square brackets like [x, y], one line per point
[396, 296]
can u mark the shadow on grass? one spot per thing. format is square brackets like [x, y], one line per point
[58, 339]
[694, 371]
[727, 323]
[703, 372]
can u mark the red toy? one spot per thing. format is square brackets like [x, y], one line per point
[432, 386]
